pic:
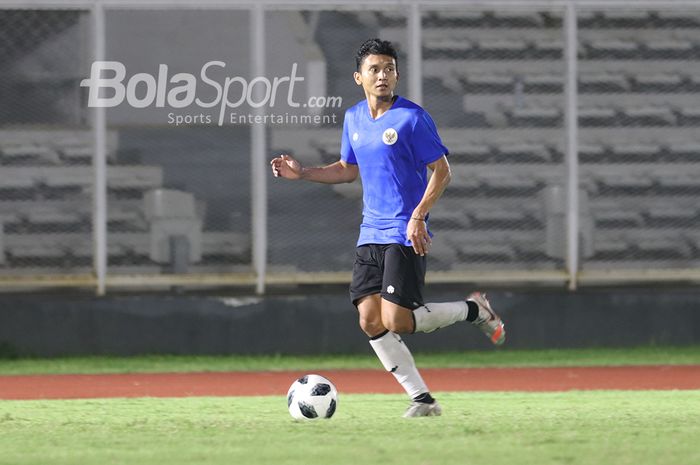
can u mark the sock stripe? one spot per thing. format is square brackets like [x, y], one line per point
[380, 335]
[473, 312]
[425, 398]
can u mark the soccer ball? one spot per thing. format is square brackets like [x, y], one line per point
[312, 397]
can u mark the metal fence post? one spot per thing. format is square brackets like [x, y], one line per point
[415, 56]
[571, 124]
[258, 154]
[99, 213]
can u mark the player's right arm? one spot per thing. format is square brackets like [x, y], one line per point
[339, 172]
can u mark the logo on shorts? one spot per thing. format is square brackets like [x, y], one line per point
[355, 136]
[390, 136]
[390, 289]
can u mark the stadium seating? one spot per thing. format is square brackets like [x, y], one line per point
[639, 110]
[494, 81]
[631, 151]
[25, 154]
[688, 116]
[46, 182]
[614, 218]
[660, 82]
[523, 152]
[686, 150]
[602, 82]
[175, 228]
[597, 116]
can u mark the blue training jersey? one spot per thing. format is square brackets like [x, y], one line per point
[392, 153]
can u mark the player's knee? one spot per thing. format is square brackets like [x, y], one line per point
[395, 324]
[371, 326]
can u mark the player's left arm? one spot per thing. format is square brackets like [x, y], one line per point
[417, 230]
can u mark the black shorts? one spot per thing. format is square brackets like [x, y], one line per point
[392, 270]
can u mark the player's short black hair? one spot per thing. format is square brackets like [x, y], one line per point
[375, 47]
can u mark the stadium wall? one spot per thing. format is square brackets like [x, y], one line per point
[59, 325]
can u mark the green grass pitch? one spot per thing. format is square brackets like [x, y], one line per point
[646, 355]
[577, 427]
[601, 428]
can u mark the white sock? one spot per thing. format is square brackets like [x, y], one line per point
[430, 317]
[397, 360]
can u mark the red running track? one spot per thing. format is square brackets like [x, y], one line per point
[348, 381]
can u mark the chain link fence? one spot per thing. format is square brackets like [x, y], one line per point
[179, 186]
[639, 146]
[179, 178]
[313, 227]
[493, 80]
[45, 145]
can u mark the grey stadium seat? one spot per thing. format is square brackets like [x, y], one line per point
[658, 82]
[611, 48]
[623, 182]
[635, 152]
[28, 154]
[176, 230]
[611, 248]
[597, 116]
[51, 219]
[534, 116]
[617, 218]
[649, 116]
[501, 48]
[689, 116]
[627, 18]
[689, 150]
[602, 83]
[523, 152]
[592, 153]
[670, 215]
[487, 83]
[668, 49]
[516, 19]
[547, 49]
[543, 83]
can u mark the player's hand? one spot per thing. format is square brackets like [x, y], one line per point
[285, 166]
[417, 233]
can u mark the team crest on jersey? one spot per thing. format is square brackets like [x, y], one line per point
[390, 136]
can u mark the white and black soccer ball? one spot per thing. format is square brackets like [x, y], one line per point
[312, 397]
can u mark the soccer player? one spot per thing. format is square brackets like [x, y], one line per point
[390, 142]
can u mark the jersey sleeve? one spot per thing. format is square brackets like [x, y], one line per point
[346, 152]
[427, 144]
